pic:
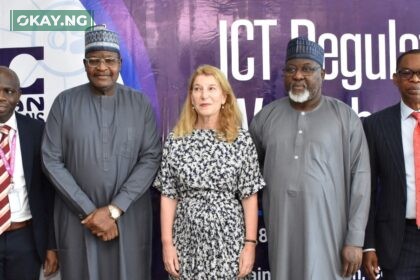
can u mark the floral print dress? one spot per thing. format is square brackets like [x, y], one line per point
[209, 178]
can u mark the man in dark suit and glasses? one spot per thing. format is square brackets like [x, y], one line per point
[28, 233]
[392, 240]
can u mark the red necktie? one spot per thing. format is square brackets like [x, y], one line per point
[416, 147]
[5, 180]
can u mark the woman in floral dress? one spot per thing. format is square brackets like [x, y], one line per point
[209, 179]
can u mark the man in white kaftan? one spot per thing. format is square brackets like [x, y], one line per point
[316, 165]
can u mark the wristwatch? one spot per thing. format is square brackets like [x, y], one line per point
[114, 212]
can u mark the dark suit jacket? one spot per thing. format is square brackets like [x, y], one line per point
[386, 224]
[40, 191]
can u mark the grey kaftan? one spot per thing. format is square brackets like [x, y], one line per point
[316, 166]
[99, 150]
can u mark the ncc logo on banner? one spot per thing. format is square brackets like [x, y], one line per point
[50, 20]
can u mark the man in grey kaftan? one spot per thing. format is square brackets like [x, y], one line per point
[100, 149]
[316, 166]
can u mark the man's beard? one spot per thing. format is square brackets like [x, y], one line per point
[301, 97]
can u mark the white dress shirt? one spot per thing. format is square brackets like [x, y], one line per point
[408, 123]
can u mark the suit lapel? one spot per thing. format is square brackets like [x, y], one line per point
[391, 127]
[25, 148]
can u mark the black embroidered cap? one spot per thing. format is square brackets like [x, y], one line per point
[301, 47]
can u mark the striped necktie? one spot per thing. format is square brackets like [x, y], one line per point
[5, 180]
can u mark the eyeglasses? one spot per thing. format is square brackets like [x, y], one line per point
[306, 70]
[407, 74]
[96, 61]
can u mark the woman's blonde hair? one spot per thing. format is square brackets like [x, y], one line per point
[229, 120]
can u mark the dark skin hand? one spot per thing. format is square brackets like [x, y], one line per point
[352, 259]
[51, 263]
[101, 224]
[370, 264]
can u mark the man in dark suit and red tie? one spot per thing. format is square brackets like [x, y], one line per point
[26, 197]
[392, 240]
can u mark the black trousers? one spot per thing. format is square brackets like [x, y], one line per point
[408, 266]
[18, 257]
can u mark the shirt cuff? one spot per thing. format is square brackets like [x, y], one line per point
[369, 250]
